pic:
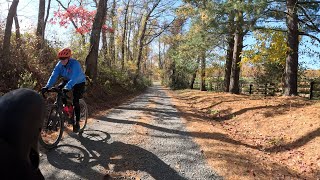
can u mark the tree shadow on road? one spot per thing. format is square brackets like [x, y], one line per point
[203, 135]
[95, 159]
[221, 137]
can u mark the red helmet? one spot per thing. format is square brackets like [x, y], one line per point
[64, 53]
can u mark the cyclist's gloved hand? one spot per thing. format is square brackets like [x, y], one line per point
[44, 90]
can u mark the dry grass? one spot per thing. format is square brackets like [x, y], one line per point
[251, 137]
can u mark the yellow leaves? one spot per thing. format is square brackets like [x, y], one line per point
[131, 66]
[185, 10]
[270, 46]
[204, 16]
[179, 37]
[196, 28]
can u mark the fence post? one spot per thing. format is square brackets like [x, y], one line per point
[311, 89]
[250, 89]
[265, 89]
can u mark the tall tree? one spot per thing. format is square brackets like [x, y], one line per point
[41, 13]
[142, 38]
[124, 33]
[40, 29]
[291, 70]
[18, 39]
[129, 32]
[92, 58]
[7, 33]
[104, 47]
[194, 74]
[18, 34]
[112, 44]
[238, 45]
[203, 72]
[46, 18]
[301, 19]
[229, 55]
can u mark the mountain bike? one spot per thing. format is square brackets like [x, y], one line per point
[57, 114]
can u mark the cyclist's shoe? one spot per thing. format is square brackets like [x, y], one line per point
[76, 127]
[71, 121]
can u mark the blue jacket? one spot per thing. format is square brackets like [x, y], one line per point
[72, 72]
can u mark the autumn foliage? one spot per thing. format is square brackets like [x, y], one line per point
[81, 18]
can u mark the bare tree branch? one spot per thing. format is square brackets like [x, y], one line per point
[158, 34]
[309, 2]
[313, 26]
[47, 15]
[309, 35]
[273, 29]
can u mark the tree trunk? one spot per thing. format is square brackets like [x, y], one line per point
[141, 40]
[140, 49]
[18, 34]
[7, 33]
[40, 30]
[173, 74]
[46, 19]
[238, 45]
[228, 65]
[40, 26]
[92, 58]
[194, 75]
[291, 71]
[21, 52]
[105, 48]
[135, 38]
[129, 53]
[203, 72]
[124, 35]
[160, 62]
[112, 48]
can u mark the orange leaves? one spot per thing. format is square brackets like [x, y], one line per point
[81, 18]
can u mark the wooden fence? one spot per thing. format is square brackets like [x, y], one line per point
[310, 89]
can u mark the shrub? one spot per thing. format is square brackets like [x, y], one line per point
[27, 81]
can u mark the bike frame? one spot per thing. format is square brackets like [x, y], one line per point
[58, 102]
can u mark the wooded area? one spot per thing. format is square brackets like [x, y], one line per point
[176, 42]
[233, 56]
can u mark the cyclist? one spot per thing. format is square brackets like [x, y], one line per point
[21, 118]
[74, 79]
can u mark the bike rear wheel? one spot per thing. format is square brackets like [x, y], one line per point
[83, 115]
[52, 129]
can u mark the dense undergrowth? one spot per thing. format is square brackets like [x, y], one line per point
[25, 68]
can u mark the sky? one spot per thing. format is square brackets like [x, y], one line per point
[28, 16]
[28, 13]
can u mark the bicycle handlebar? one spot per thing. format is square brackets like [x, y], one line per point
[56, 90]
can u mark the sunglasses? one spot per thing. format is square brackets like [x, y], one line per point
[62, 59]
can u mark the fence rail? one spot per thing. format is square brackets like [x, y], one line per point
[310, 89]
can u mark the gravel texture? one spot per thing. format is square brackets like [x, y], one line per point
[142, 139]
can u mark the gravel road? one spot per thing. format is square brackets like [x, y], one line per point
[142, 139]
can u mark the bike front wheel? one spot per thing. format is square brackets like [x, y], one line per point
[52, 129]
[83, 115]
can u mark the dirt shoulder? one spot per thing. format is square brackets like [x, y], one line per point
[251, 137]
